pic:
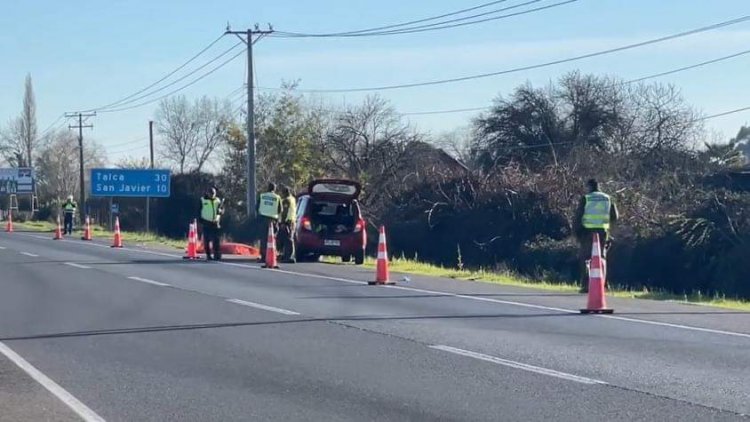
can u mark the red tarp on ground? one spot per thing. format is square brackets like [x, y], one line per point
[234, 249]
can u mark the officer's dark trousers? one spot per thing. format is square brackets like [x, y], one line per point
[68, 223]
[211, 240]
[585, 240]
[286, 241]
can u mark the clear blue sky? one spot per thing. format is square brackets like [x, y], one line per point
[85, 54]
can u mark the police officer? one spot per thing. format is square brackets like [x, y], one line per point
[596, 213]
[286, 225]
[69, 211]
[269, 211]
[212, 209]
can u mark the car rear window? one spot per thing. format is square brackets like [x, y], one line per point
[326, 209]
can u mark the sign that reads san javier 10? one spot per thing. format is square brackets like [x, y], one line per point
[130, 183]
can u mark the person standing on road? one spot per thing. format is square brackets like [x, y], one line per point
[269, 211]
[212, 209]
[69, 211]
[286, 229]
[596, 213]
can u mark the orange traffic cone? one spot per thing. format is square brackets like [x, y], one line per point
[58, 230]
[191, 252]
[382, 275]
[87, 230]
[271, 258]
[117, 241]
[597, 301]
[9, 224]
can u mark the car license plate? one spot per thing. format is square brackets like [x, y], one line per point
[329, 242]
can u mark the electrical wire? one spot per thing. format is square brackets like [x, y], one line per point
[436, 26]
[169, 94]
[641, 79]
[178, 80]
[380, 28]
[165, 77]
[540, 65]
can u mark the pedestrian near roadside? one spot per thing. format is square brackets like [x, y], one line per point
[596, 213]
[69, 208]
[269, 212]
[287, 225]
[212, 208]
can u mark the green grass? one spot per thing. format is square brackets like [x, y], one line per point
[410, 266]
[101, 233]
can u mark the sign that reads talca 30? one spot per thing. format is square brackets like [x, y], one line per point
[130, 183]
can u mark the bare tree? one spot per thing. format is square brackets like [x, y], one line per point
[19, 140]
[212, 120]
[175, 122]
[368, 143]
[191, 132]
[57, 165]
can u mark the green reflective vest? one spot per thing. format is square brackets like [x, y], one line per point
[210, 209]
[291, 208]
[70, 207]
[596, 211]
[269, 205]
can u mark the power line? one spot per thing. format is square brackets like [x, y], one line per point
[380, 28]
[440, 25]
[693, 66]
[722, 114]
[169, 94]
[457, 110]
[165, 77]
[641, 79]
[178, 80]
[541, 65]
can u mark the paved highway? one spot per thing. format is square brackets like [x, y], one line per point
[93, 333]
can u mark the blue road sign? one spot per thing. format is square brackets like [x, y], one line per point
[115, 208]
[130, 183]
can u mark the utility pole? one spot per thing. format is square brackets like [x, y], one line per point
[151, 151]
[250, 37]
[80, 126]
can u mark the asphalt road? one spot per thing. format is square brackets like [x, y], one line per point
[141, 335]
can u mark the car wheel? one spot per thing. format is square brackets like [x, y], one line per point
[359, 257]
[346, 258]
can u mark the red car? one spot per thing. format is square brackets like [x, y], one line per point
[329, 221]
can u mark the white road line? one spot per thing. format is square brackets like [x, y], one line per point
[519, 365]
[2, 248]
[263, 307]
[73, 264]
[447, 294]
[73, 403]
[29, 254]
[145, 280]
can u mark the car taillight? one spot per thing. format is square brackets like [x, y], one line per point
[359, 226]
[306, 224]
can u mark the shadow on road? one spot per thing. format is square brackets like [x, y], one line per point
[174, 328]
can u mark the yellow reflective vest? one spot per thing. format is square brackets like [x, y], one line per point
[70, 207]
[289, 205]
[268, 206]
[597, 210]
[210, 209]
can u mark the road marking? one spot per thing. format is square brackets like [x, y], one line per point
[30, 254]
[73, 264]
[2, 248]
[145, 280]
[73, 403]
[519, 365]
[263, 307]
[447, 294]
